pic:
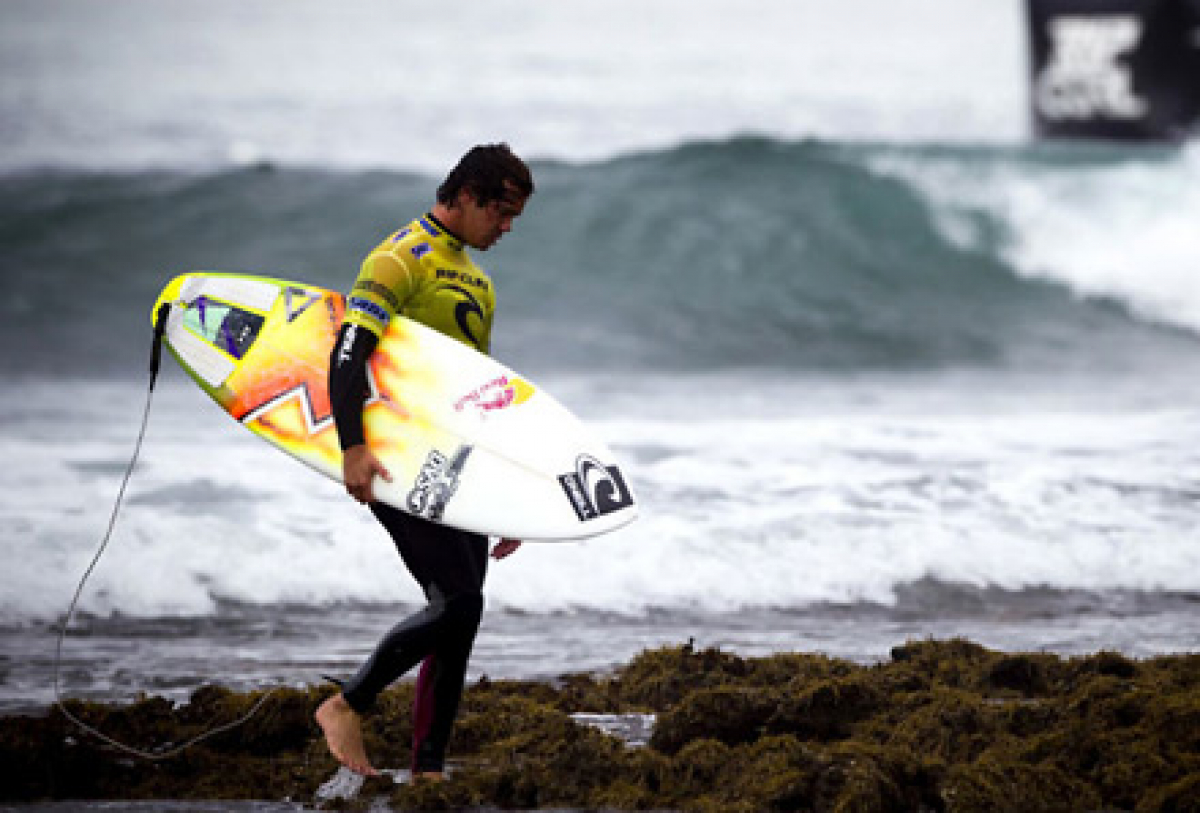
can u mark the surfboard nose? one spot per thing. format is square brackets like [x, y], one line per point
[169, 294]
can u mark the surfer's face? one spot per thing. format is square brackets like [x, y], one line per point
[482, 226]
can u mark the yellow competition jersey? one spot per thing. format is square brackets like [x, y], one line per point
[423, 272]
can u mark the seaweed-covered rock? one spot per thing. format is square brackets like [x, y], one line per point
[942, 726]
[1026, 674]
[1006, 786]
[730, 714]
[875, 778]
[1178, 797]
[948, 724]
[827, 709]
[658, 679]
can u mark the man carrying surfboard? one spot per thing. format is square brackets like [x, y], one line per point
[422, 271]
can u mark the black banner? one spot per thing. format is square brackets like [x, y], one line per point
[1115, 69]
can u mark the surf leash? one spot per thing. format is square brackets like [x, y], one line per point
[160, 326]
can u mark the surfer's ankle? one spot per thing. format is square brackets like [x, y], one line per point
[428, 776]
[335, 703]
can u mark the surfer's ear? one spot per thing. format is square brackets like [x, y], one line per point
[470, 194]
[463, 197]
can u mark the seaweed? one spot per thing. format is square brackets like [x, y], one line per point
[942, 726]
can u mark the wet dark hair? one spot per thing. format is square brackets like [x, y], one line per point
[485, 170]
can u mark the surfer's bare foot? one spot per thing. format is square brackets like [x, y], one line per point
[343, 734]
[428, 776]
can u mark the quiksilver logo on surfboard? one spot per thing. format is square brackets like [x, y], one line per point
[436, 483]
[595, 489]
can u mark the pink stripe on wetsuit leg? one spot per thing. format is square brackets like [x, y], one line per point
[422, 707]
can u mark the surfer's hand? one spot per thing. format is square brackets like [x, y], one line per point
[359, 468]
[505, 547]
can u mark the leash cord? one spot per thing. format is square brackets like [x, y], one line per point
[159, 329]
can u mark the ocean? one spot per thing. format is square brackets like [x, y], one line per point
[880, 366]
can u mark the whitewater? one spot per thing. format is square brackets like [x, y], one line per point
[879, 366]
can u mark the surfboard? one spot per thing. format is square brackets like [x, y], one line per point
[469, 443]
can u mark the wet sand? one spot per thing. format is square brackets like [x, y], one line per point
[943, 725]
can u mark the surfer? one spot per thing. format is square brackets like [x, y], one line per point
[422, 271]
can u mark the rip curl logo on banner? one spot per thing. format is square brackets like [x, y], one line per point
[1085, 75]
[595, 489]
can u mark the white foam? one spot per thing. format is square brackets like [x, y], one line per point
[344, 784]
[1126, 231]
[786, 513]
[831, 504]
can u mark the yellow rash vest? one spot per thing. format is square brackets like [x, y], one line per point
[421, 272]
[424, 272]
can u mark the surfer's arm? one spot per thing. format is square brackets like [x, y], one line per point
[383, 283]
[348, 381]
[347, 396]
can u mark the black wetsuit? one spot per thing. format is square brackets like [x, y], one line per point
[450, 566]
[422, 271]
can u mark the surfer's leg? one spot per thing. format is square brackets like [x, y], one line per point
[401, 649]
[340, 716]
[412, 639]
[450, 565]
[440, 687]
[456, 563]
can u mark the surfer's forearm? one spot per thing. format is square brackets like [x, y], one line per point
[348, 382]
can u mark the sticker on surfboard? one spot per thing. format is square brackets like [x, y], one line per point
[595, 489]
